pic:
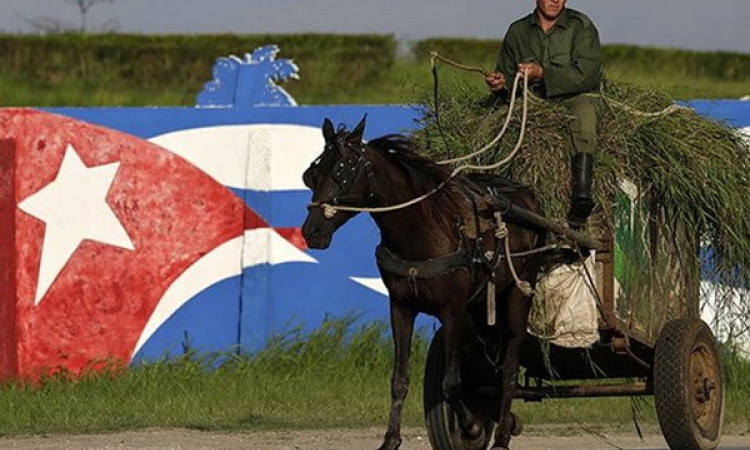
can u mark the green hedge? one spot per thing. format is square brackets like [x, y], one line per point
[116, 69]
[624, 59]
[723, 66]
[156, 61]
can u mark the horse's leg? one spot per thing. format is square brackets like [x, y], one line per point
[402, 325]
[515, 322]
[453, 327]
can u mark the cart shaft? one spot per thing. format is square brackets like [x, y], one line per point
[604, 390]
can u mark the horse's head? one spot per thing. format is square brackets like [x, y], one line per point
[340, 176]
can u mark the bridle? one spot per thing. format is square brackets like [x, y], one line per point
[348, 170]
[346, 174]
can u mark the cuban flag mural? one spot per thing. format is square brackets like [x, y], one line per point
[137, 234]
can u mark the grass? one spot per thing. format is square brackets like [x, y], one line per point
[336, 377]
[406, 81]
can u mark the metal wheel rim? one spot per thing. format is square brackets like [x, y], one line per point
[704, 387]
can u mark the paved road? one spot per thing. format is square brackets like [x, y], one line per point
[359, 439]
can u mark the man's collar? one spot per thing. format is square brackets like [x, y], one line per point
[563, 21]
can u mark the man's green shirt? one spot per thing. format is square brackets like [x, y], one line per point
[569, 52]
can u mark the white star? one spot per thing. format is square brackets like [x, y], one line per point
[74, 208]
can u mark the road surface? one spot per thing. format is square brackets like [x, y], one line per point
[575, 438]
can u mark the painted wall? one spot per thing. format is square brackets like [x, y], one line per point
[727, 311]
[137, 233]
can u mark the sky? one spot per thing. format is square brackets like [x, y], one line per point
[686, 24]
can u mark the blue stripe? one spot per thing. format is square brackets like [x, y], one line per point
[733, 112]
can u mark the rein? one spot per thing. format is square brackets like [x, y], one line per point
[436, 266]
[330, 208]
[511, 107]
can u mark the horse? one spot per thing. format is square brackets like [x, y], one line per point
[436, 256]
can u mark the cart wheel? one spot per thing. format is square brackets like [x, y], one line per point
[689, 385]
[441, 424]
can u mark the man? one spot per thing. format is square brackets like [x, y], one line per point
[559, 50]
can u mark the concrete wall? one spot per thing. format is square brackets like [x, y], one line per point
[140, 233]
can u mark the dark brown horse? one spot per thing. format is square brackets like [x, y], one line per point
[435, 257]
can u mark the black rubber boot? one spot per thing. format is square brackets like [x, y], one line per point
[581, 197]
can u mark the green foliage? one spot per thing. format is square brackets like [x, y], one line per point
[183, 62]
[133, 70]
[621, 59]
[737, 379]
[725, 66]
[337, 376]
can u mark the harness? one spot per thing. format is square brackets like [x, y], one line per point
[349, 170]
[428, 268]
[481, 251]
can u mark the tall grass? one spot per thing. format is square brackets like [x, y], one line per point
[106, 75]
[338, 376]
[405, 82]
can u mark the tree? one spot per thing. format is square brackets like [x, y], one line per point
[84, 6]
[50, 25]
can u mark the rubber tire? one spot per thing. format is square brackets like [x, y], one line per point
[687, 345]
[442, 429]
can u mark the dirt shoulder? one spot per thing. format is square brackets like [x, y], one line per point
[572, 437]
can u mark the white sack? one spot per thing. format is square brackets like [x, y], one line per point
[564, 310]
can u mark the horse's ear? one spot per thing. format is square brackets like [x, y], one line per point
[329, 134]
[356, 135]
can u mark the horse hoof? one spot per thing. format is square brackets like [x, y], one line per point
[390, 445]
[516, 425]
[475, 438]
[391, 442]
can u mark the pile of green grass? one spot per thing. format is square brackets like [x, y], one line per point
[338, 376]
[693, 174]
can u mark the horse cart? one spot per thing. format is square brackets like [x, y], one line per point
[434, 259]
[651, 343]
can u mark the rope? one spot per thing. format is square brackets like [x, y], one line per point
[502, 130]
[523, 286]
[535, 251]
[521, 134]
[434, 56]
[436, 101]
[636, 112]
[330, 210]
[501, 232]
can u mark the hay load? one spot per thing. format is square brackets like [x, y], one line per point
[678, 175]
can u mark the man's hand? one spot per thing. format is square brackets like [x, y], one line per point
[534, 71]
[495, 81]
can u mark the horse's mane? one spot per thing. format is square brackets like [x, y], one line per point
[424, 174]
[422, 170]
